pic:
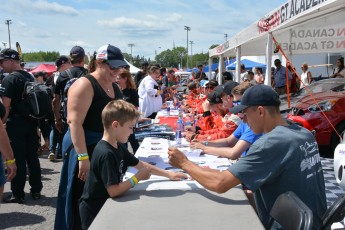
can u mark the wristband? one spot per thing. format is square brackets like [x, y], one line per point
[82, 155]
[132, 182]
[10, 162]
[135, 179]
[83, 158]
[206, 143]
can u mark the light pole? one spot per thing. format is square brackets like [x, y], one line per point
[8, 22]
[191, 53]
[188, 29]
[5, 43]
[226, 37]
[156, 53]
[131, 45]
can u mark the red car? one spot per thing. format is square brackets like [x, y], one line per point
[330, 95]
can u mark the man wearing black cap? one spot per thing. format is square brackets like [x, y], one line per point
[141, 74]
[21, 130]
[77, 55]
[285, 158]
[280, 77]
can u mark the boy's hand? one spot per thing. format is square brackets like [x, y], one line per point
[143, 174]
[177, 176]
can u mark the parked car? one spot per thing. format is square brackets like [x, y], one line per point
[325, 106]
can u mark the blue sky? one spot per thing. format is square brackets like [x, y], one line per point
[151, 25]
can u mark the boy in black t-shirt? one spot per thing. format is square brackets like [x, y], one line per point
[111, 159]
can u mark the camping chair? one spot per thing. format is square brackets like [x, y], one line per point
[335, 213]
[290, 213]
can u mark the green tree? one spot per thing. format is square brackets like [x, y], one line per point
[172, 58]
[41, 56]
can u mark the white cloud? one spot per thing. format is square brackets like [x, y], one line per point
[54, 7]
[174, 17]
[124, 22]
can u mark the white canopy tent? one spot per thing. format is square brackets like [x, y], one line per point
[133, 69]
[299, 27]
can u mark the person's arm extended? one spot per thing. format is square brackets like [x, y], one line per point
[211, 179]
[79, 100]
[229, 147]
[232, 153]
[160, 172]
[116, 190]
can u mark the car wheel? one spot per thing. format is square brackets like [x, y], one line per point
[335, 140]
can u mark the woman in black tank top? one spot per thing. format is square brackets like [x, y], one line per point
[86, 99]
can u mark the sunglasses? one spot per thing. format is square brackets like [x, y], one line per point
[236, 102]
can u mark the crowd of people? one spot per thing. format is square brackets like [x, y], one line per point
[94, 113]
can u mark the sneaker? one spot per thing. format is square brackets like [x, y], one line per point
[59, 156]
[35, 195]
[51, 156]
[13, 199]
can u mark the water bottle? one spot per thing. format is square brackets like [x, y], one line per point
[179, 131]
[180, 113]
[180, 124]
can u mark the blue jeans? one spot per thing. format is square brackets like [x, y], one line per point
[55, 140]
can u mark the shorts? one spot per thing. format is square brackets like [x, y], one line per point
[2, 172]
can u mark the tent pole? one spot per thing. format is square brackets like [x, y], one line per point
[268, 59]
[238, 64]
[210, 68]
[220, 68]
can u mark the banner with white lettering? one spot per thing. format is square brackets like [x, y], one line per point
[326, 39]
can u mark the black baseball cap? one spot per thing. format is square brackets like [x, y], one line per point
[228, 86]
[9, 54]
[112, 55]
[61, 60]
[77, 52]
[215, 97]
[263, 95]
[212, 83]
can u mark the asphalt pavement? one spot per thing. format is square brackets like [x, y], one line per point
[34, 214]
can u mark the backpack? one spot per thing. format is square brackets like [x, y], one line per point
[69, 83]
[37, 98]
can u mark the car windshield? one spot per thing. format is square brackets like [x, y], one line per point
[323, 86]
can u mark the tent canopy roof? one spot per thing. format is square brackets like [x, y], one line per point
[247, 63]
[48, 68]
[316, 28]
